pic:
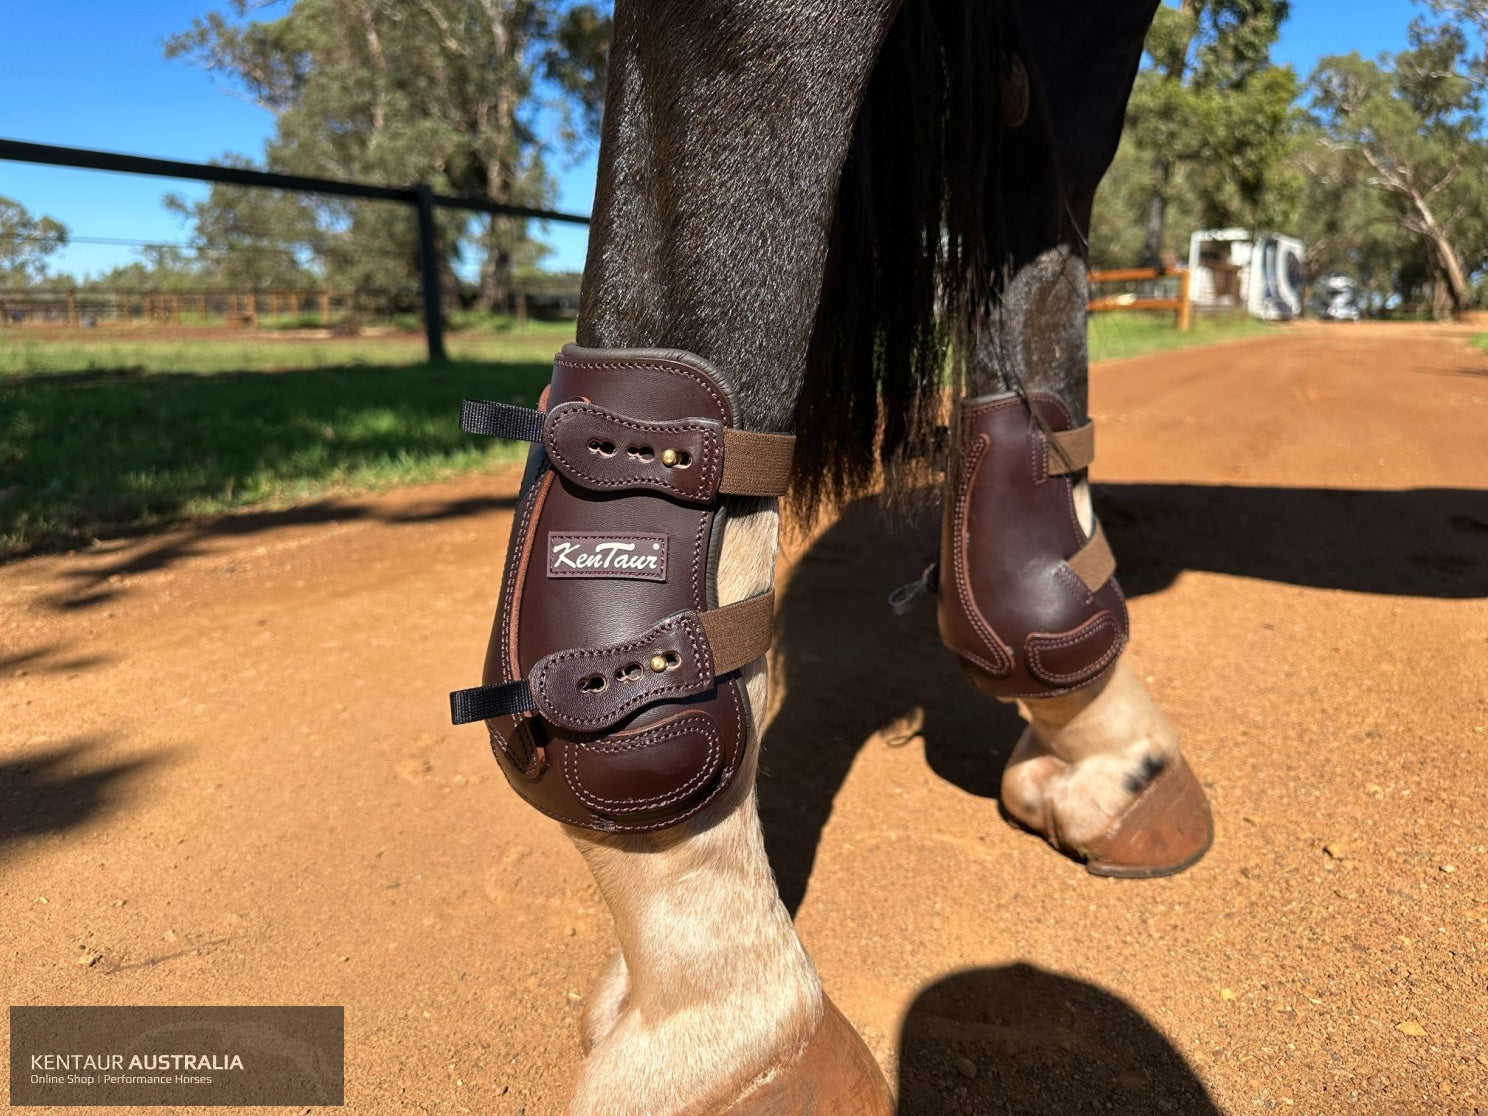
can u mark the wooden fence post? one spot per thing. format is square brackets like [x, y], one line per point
[1185, 301]
[72, 310]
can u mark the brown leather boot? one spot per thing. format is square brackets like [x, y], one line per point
[1027, 602]
[612, 690]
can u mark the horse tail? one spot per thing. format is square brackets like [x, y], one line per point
[912, 255]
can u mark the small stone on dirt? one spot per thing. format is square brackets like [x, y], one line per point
[1449, 868]
[1226, 993]
[1412, 1028]
[966, 1068]
[1335, 849]
[88, 960]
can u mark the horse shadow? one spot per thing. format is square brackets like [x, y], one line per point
[1019, 1040]
[853, 669]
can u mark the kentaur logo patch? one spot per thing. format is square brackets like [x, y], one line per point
[637, 557]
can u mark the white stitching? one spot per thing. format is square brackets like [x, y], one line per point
[709, 468]
[651, 737]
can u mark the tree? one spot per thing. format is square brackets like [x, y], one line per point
[1411, 128]
[25, 244]
[1210, 112]
[248, 239]
[1348, 228]
[448, 92]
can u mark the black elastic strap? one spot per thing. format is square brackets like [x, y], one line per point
[503, 699]
[501, 420]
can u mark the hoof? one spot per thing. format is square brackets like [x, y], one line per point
[834, 1075]
[1167, 828]
[1163, 830]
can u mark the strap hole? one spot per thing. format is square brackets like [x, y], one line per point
[643, 454]
[684, 459]
[605, 448]
[594, 684]
[629, 673]
[673, 660]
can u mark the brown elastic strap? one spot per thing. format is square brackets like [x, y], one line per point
[1072, 450]
[1094, 563]
[756, 464]
[739, 633]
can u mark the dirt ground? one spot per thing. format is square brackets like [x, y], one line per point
[227, 776]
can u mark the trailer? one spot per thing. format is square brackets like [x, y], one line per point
[1238, 269]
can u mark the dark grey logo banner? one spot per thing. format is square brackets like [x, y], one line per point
[638, 557]
[177, 1055]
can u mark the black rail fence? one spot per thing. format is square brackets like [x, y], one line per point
[423, 200]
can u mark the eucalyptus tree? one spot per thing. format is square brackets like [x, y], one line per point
[471, 96]
[26, 243]
[1411, 128]
[1210, 117]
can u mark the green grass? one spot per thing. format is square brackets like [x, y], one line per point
[1481, 341]
[106, 435]
[1117, 336]
[84, 453]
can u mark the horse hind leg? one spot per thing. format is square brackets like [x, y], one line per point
[1028, 600]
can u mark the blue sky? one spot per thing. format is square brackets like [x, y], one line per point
[91, 74]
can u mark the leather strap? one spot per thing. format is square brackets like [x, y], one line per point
[594, 688]
[1071, 450]
[1094, 563]
[693, 459]
[756, 464]
[741, 632]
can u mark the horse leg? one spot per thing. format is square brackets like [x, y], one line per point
[725, 130]
[1098, 771]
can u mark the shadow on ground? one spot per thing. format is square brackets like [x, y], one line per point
[91, 586]
[853, 671]
[1416, 542]
[59, 788]
[1037, 1044]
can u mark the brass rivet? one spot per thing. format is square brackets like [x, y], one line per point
[669, 457]
[658, 663]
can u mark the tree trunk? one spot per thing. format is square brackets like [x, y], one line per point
[495, 278]
[1451, 283]
[1157, 215]
[1450, 293]
[499, 122]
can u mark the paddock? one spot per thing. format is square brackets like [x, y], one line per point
[227, 775]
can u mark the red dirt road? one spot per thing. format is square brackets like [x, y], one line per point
[226, 776]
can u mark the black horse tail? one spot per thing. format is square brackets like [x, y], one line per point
[916, 245]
